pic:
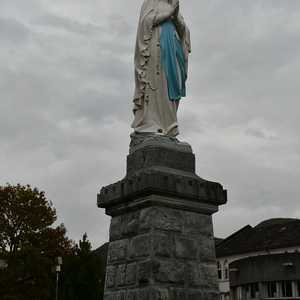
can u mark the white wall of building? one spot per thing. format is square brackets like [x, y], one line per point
[224, 262]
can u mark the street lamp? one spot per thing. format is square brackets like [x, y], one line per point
[58, 270]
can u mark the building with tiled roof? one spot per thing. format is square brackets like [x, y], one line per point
[247, 261]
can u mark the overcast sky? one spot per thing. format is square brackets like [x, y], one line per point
[66, 86]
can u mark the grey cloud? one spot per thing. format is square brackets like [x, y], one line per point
[96, 105]
[259, 133]
[67, 24]
[13, 31]
[66, 80]
[120, 26]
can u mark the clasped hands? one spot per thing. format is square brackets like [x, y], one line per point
[169, 11]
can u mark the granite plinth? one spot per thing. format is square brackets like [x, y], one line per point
[161, 253]
[166, 169]
[161, 233]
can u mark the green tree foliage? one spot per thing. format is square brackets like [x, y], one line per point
[24, 213]
[85, 246]
[83, 274]
[29, 244]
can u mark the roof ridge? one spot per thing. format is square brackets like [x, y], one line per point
[247, 227]
[276, 221]
[271, 234]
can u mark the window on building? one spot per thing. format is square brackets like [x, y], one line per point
[247, 291]
[235, 294]
[272, 289]
[287, 289]
[250, 291]
[219, 270]
[254, 290]
[226, 271]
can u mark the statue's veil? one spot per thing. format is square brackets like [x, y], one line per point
[150, 12]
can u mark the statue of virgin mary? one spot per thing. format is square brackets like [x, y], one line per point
[161, 64]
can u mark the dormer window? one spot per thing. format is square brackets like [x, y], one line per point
[226, 270]
[219, 270]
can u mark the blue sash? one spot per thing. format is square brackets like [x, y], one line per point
[173, 61]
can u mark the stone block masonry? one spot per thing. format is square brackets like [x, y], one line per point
[163, 256]
[161, 234]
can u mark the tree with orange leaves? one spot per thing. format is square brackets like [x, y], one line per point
[28, 243]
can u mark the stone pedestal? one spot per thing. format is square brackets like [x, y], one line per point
[161, 233]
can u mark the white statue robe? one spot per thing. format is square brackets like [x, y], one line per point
[153, 110]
